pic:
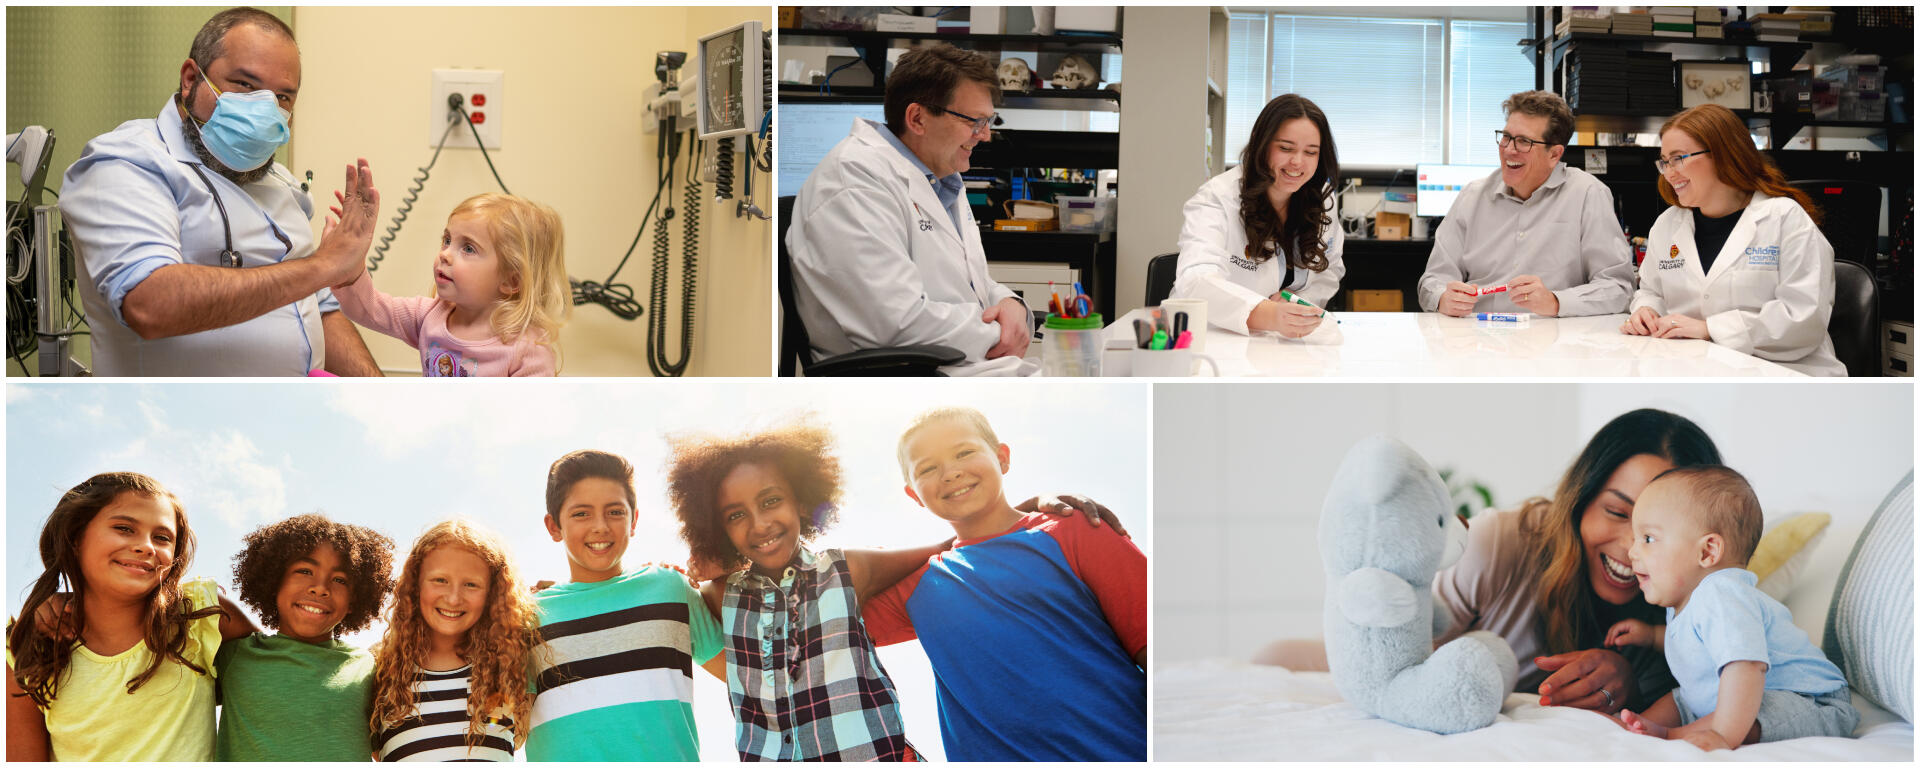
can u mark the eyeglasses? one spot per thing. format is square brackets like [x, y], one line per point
[1520, 143]
[979, 124]
[1676, 161]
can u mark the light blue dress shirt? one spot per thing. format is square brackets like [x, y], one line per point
[947, 188]
[1729, 619]
[132, 206]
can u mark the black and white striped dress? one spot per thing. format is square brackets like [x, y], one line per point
[437, 732]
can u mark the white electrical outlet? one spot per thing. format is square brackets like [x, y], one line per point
[482, 91]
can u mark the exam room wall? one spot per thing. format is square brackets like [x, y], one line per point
[1250, 480]
[572, 137]
[83, 71]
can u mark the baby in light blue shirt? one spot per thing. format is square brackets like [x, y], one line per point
[1745, 672]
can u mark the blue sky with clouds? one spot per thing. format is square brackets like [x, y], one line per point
[399, 456]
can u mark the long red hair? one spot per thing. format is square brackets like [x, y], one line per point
[1735, 160]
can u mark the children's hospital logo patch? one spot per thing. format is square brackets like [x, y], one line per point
[1763, 256]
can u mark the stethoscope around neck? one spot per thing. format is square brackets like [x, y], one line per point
[228, 256]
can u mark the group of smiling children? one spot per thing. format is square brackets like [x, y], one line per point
[1035, 624]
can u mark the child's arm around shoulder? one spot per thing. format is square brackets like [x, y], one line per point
[1116, 571]
[876, 570]
[234, 623]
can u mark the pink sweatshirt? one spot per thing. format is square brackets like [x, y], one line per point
[421, 322]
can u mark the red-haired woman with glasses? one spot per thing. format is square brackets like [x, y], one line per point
[1739, 259]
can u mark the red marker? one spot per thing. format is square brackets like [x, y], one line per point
[1495, 289]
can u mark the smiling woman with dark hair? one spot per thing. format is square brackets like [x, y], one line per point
[1248, 235]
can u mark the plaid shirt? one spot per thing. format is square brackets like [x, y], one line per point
[801, 670]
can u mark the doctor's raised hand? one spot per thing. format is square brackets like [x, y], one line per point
[1015, 334]
[348, 233]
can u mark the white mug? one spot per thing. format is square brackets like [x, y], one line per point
[1196, 310]
[1169, 363]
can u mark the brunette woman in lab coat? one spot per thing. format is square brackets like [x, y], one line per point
[1739, 259]
[1267, 225]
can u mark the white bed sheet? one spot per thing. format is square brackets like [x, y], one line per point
[1231, 710]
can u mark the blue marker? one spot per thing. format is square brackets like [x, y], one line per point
[1503, 317]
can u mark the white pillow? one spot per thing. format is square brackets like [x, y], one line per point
[1870, 624]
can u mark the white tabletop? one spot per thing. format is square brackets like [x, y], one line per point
[1430, 344]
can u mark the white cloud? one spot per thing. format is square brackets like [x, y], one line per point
[18, 394]
[219, 471]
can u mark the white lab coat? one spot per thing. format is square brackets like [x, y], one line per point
[1769, 293]
[1213, 263]
[877, 261]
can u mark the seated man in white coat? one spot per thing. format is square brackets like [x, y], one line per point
[884, 247]
[1545, 232]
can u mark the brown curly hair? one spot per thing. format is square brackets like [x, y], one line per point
[802, 452]
[1303, 234]
[497, 647]
[368, 555]
[39, 658]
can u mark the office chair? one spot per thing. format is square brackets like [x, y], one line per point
[1850, 216]
[1161, 270]
[1854, 325]
[796, 352]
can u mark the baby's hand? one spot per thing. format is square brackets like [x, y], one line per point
[1637, 724]
[1630, 632]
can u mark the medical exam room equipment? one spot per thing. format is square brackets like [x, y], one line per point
[39, 267]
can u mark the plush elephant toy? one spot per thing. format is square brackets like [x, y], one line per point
[1387, 527]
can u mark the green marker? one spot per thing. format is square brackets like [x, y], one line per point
[1159, 340]
[1285, 295]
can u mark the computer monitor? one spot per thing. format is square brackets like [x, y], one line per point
[808, 130]
[1439, 185]
[732, 69]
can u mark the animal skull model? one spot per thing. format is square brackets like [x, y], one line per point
[1075, 72]
[1015, 75]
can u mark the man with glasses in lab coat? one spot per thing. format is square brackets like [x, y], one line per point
[884, 247]
[1534, 236]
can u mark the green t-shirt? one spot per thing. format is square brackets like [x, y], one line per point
[614, 676]
[282, 699]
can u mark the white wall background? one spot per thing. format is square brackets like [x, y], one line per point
[1241, 473]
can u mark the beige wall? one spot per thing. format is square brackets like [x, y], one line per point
[571, 138]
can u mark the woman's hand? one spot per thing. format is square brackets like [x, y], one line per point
[1680, 327]
[1641, 322]
[1596, 679]
[1297, 320]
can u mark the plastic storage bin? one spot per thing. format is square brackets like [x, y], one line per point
[1086, 214]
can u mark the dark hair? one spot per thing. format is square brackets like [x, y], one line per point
[210, 42]
[1566, 601]
[1307, 217]
[1545, 104]
[929, 74]
[802, 452]
[367, 555]
[1735, 161]
[40, 656]
[1724, 503]
[580, 465]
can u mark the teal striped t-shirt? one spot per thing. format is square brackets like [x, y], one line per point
[613, 680]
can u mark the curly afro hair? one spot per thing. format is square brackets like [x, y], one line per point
[368, 554]
[802, 452]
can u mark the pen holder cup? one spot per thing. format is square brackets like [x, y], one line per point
[1169, 363]
[1073, 346]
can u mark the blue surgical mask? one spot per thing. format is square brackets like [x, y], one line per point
[245, 129]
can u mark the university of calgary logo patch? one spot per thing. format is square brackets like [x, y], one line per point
[1675, 253]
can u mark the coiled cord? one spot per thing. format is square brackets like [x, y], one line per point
[657, 360]
[420, 182]
[723, 170]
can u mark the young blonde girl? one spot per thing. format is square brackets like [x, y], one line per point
[458, 636]
[500, 294]
[126, 637]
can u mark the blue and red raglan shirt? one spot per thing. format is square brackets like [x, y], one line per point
[1031, 634]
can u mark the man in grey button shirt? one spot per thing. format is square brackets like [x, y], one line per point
[1545, 231]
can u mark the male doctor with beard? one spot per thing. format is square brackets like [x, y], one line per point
[195, 250]
[1543, 231]
[1739, 259]
[884, 247]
